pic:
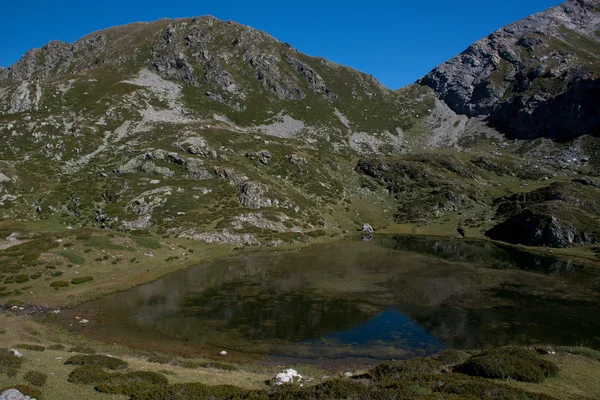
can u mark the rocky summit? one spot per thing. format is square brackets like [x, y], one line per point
[213, 131]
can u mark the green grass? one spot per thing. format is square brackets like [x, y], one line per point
[83, 279]
[72, 257]
[147, 242]
[97, 360]
[36, 378]
[103, 243]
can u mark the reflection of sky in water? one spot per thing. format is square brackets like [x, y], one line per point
[388, 327]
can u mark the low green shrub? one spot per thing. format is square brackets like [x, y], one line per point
[209, 364]
[59, 284]
[21, 278]
[337, 389]
[82, 350]
[26, 390]
[56, 274]
[185, 391]
[83, 279]
[36, 378]
[475, 388]
[56, 347]
[132, 382]
[9, 364]
[510, 362]
[32, 347]
[97, 359]
[452, 357]
[396, 369]
[88, 374]
[35, 276]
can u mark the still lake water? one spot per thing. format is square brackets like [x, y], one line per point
[394, 297]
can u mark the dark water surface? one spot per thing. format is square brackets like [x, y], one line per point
[390, 298]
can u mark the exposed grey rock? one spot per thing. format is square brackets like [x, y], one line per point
[367, 228]
[263, 156]
[534, 229]
[258, 220]
[142, 222]
[252, 194]
[220, 237]
[196, 170]
[496, 77]
[268, 73]
[196, 145]
[4, 178]
[297, 160]
[315, 82]
[14, 394]
[146, 202]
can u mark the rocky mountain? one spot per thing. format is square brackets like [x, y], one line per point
[537, 77]
[213, 131]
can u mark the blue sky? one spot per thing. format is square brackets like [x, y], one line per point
[396, 41]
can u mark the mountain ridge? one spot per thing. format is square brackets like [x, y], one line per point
[214, 131]
[529, 69]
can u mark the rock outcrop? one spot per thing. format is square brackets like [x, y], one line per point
[537, 77]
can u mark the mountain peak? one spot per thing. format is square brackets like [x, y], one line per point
[531, 64]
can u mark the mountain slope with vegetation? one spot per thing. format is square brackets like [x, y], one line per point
[212, 131]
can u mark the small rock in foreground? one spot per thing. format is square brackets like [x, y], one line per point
[15, 353]
[14, 394]
[287, 376]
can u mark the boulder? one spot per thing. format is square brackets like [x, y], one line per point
[287, 376]
[14, 394]
[367, 228]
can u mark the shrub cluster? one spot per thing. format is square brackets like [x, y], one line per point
[184, 391]
[88, 374]
[83, 279]
[32, 347]
[9, 364]
[36, 378]
[132, 382]
[97, 359]
[510, 362]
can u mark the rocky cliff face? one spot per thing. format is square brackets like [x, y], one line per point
[537, 77]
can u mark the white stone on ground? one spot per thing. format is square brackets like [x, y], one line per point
[15, 353]
[14, 394]
[287, 376]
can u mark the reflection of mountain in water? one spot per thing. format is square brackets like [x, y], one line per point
[404, 295]
[261, 313]
[482, 253]
[533, 318]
